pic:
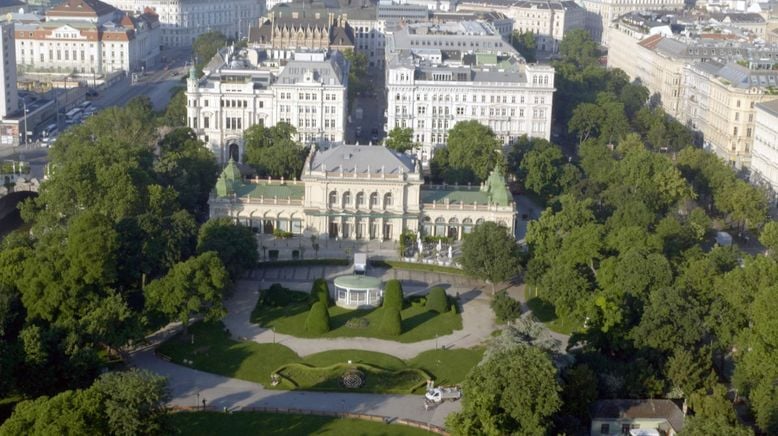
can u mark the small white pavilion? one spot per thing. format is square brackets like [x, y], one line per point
[358, 292]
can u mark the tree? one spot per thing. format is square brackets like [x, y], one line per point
[472, 152]
[400, 139]
[357, 74]
[769, 237]
[393, 294]
[187, 166]
[505, 308]
[487, 253]
[525, 43]
[318, 320]
[235, 244]
[133, 401]
[578, 47]
[703, 426]
[437, 301]
[542, 168]
[579, 391]
[391, 323]
[67, 413]
[320, 291]
[273, 151]
[175, 113]
[194, 287]
[513, 392]
[205, 47]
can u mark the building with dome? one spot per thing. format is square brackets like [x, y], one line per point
[361, 192]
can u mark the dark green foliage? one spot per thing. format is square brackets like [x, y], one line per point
[391, 324]
[505, 307]
[279, 296]
[437, 300]
[472, 152]
[318, 321]
[274, 151]
[488, 253]
[205, 47]
[235, 244]
[175, 113]
[320, 291]
[393, 295]
[525, 43]
[400, 139]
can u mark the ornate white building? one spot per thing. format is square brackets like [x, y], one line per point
[361, 192]
[440, 74]
[184, 20]
[242, 89]
[764, 159]
[87, 36]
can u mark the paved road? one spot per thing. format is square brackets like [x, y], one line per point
[189, 387]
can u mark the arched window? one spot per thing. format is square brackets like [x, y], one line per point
[440, 227]
[387, 200]
[479, 221]
[346, 199]
[360, 199]
[374, 199]
[467, 225]
[333, 198]
[427, 226]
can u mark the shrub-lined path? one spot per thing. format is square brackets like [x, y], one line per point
[477, 320]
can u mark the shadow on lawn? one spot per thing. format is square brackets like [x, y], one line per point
[341, 319]
[264, 315]
[417, 320]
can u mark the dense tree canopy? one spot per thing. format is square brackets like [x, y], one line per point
[235, 244]
[490, 253]
[400, 139]
[273, 151]
[472, 152]
[525, 43]
[205, 47]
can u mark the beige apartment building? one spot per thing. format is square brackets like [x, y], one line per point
[361, 192]
[719, 100]
[604, 12]
[549, 20]
[764, 158]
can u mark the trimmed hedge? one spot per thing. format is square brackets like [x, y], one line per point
[279, 296]
[392, 323]
[318, 321]
[505, 307]
[393, 295]
[437, 300]
[321, 292]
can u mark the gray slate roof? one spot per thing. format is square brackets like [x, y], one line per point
[770, 107]
[361, 158]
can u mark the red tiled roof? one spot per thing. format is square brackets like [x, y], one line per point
[651, 42]
[80, 8]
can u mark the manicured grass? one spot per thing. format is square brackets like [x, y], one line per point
[304, 262]
[213, 351]
[418, 323]
[545, 312]
[448, 367]
[272, 424]
[416, 266]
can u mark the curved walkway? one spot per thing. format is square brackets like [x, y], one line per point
[188, 388]
[477, 325]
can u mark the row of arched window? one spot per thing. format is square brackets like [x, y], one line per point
[345, 200]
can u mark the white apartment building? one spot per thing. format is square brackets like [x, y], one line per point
[87, 36]
[182, 21]
[548, 20]
[432, 5]
[239, 91]
[440, 74]
[764, 158]
[719, 101]
[603, 12]
[9, 99]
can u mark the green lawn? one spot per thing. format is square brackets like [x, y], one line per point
[545, 312]
[418, 323]
[412, 266]
[270, 424]
[213, 351]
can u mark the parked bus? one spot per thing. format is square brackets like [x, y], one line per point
[50, 130]
[73, 115]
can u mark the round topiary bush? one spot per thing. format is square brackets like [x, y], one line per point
[321, 291]
[391, 324]
[318, 321]
[393, 295]
[437, 300]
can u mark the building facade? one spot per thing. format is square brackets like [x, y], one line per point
[548, 20]
[764, 158]
[182, 21]
[719, 101]
[440, 74]
[9, 100]
[87, 36]
[361, 193]
[603, 12]
[284, 32]
[239, 90]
